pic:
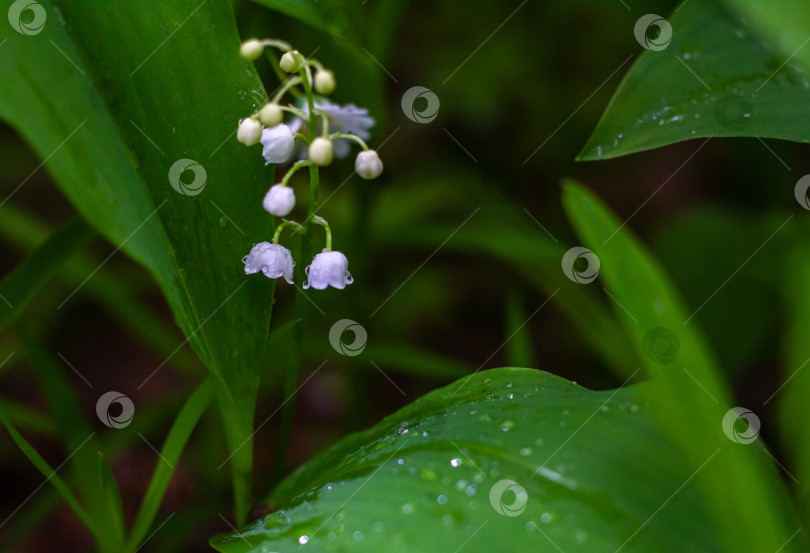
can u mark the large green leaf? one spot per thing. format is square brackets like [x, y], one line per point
[432, 476]
[717, 77]
[694, 401]
[141, 86]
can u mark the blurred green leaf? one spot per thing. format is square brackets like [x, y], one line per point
[450, 470]
[122, 121]
[517, 337]
[694, 399]
[724, 240]
[24, 230]
[54, 479]
[74, 432]
[24, 281]
[717, 77]
[534, 258]
[170, 453]
[112, 496]
[791, 394]
[27, 418]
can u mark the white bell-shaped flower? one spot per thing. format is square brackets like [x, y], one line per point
[368, 164]
[251, 49]
[249, 131]
[320, 151]
[271, 259]
[328, 268]
[278, 144]
[325, 82]
[271, 115]
[279, 200]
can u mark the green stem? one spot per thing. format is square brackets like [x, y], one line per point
[283, 225]
[238, 407]
[300, 306]
[275, 43]
[296, 166]
[288, 84]
[351, 137]
[321, 221]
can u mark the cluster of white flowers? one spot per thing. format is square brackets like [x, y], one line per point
[325, 131]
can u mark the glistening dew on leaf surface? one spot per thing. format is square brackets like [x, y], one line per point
[147, 116]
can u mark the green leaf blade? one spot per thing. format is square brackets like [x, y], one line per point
[423, 478]
[715, 78]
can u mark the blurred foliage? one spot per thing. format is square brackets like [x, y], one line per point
[454, 250]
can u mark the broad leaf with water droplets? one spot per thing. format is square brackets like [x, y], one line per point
[503, 460]
[717, 77]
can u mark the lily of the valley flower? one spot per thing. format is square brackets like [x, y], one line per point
[271, 259]
[325, 82]
[320, 151]
[271, 115]
[278, 144]
[249, 131]
[251, 49]
[279, 200]
[368, 164]
[291, 61]
[328, 268]
[348, 119]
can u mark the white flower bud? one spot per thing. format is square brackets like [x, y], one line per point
[249, 131]
[325, 82]
[368, 164]
[271, 259]
[291, 61]
[320, 151]
[279, 200]
[328, 268]
[251, 49]
[271, 115]
[278, 144]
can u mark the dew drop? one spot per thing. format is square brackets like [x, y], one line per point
[442, 499]
[545, 518]
[407, 509]
[455, 462]
[400, 461]
[507, 425]
[526, 451]
[358, 536]
[471, 489]
[303, 539]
